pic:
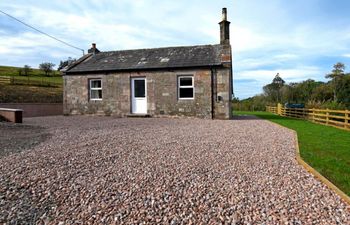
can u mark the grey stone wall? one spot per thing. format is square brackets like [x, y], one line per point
[223, 85]
[162, 94]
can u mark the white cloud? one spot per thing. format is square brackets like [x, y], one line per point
[267, 37]
[289, 75]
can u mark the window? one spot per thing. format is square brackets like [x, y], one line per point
[95, 89]
[185, 87]
[139, 88]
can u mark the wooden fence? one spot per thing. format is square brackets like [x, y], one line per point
[5, 80]
[336, 118]
[31, 81]
[271, 109]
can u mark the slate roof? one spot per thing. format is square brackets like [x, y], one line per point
[154, 58]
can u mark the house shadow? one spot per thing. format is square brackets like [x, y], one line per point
[245, 117]
[263, 117]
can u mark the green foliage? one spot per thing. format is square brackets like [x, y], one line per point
[65, 63]
[47, 67]
[322, 93]
[338, 71]
[273, 90]
[343, 87]
[256, 103]
[325, 148]
[336, 76]
[325, 105]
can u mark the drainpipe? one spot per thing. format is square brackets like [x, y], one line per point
[213, 91]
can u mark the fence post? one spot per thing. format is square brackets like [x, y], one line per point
[346, 121]
[327, 116]
[279, 109]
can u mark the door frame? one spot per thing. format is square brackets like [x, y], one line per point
[132, 91]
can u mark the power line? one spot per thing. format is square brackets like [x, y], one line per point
[42, 32]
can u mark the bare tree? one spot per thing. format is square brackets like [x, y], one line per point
[47, 67]
[26, 70]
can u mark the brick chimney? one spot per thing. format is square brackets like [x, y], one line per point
[93, 49]
[224, 28]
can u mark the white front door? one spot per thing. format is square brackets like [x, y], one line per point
[139, 96]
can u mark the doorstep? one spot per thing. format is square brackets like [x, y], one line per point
[139, 115]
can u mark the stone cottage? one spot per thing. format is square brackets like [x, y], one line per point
[193, 81]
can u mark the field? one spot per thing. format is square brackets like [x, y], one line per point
[30, 89]
[29, 94]
[325, 148]
[35, 78]
[13, 71]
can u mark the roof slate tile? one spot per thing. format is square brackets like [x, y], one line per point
[153, 58]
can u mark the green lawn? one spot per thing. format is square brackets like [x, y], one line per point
[326, 149]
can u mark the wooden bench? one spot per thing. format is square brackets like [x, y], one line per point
[11, 115]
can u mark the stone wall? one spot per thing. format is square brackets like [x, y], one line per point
[162, 94]
[223, 85]
[36, 109]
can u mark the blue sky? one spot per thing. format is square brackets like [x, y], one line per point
[299, 39]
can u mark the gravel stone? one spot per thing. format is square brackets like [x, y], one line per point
[105, 170]
[16, 138]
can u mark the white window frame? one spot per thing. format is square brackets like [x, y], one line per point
[179, 86]
[96, 88]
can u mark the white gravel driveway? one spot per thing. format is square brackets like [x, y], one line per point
[103, 170]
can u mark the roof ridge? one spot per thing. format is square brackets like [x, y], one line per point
[140, 49]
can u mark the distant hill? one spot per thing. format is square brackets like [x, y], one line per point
[13, 71]
[33, 88]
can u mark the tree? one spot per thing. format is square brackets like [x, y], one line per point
[287, 93]
[322, 93]
[65, 63]
[26, 70]
[273, 90]
[343, 90]
[47, 67]
[20, 71]
[304, 90]
[278, 81]
[335, 76]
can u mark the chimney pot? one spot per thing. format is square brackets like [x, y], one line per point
[93, 49]
[224, 28]
[224, 14]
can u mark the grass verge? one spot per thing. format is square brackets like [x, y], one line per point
[326, 149]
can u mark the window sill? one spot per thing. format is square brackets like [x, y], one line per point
[185, 99]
